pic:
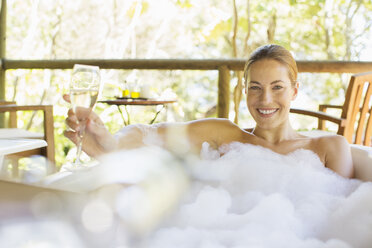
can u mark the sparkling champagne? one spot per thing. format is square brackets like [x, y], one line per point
[83, 98]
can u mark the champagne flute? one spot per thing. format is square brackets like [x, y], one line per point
[84, 88]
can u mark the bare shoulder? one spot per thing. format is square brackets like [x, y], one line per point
[337, 154]
[332, 142]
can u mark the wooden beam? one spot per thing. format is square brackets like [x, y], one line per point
[223, 101]
[334, 66]
[184, 64]
[145, 64]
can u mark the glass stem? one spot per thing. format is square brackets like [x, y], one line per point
[78, 150]
[79, 144]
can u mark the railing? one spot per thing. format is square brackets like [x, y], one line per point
[224, 66]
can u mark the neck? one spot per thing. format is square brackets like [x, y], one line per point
[277, 134]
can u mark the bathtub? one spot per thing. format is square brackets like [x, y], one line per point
[21, 201]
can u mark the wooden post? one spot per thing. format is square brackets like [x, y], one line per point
[2, 55]
[2, 47]
[223, 101]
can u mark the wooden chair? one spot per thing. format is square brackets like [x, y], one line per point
[13, 132]
[355, 123]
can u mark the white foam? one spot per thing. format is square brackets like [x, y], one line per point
[253, 197]
[247, 197]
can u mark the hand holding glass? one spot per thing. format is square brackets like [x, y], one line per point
[84, 88]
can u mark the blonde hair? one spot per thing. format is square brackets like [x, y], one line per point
[277, 53]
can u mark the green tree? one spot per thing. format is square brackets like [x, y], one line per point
[115, 29]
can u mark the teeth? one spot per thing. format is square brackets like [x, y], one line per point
[266, 112]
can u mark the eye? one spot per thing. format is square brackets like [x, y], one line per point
[254, 87]
[277, 87]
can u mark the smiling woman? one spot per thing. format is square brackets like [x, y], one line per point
[271, 85]
[271, 76]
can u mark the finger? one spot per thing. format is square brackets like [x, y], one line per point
[70, 112]
[72, 122]
[83, 113]
[71, 135]
[66, 97]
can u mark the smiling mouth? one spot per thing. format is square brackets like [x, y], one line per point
[267, 112]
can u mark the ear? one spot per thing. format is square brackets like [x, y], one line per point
[295, 90]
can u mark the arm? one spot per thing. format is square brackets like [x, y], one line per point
[180, 138]
[98, 140]
[177, 137]
[338, 155]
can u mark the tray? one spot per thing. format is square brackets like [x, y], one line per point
[131, 98]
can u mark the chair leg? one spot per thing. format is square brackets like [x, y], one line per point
[49, 135]
[15, 169]
[12, 120]
[11, 160]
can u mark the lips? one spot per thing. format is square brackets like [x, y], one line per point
[267, 112]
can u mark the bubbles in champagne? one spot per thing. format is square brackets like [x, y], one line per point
[83, 97]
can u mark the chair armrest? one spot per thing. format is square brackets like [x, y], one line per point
[324, 107]
[14, 107]
[319, 115]
[2, 102]
[48, 123]
[47, 110]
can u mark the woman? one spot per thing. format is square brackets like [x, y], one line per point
[270, 84]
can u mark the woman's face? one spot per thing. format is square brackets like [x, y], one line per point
[269, 93]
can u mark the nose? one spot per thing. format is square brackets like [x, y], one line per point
[266, 97]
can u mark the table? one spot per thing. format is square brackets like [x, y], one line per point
[138, 102]
[10, 146]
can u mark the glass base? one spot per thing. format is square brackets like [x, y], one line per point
[72, 167]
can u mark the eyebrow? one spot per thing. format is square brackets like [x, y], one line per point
[273, 82]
